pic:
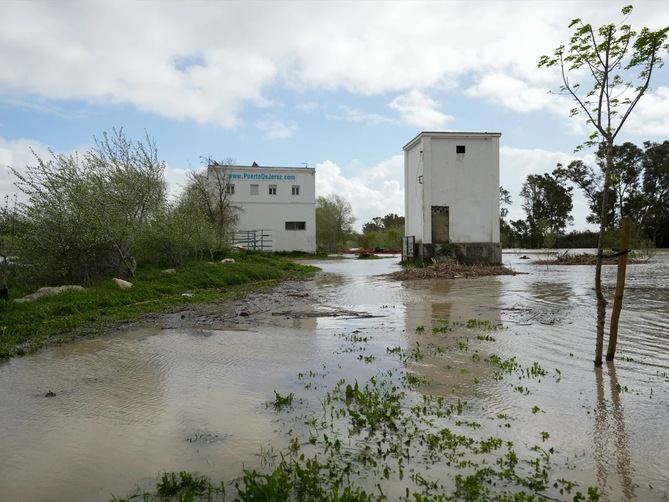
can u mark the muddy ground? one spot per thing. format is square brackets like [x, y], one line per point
[292, 299]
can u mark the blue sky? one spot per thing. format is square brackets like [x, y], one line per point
[341, 86]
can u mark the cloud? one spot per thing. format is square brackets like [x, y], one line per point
[17, 154]
[651, 115]
[274, 128]
[353, 115]
[206, 61]
[373, 191]
[418, 109]
[516, 94]
[517, 163]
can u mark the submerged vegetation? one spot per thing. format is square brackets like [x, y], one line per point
[380, 439]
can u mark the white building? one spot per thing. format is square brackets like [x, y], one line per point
[279, 201]
[451, 182]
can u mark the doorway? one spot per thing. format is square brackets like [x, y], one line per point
[440, 224]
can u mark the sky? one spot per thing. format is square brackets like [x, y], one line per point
[339, 86]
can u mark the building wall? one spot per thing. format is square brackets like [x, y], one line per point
[467, 183]
[265, 211]
[413, 193]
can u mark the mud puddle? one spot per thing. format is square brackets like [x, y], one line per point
[191, 390]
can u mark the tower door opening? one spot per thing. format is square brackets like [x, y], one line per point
[440, 224]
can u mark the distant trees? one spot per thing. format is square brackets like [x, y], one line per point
[638, 187]
[548, 204]
[334, 222]
[382, 232]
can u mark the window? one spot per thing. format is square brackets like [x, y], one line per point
[229, 188]
[296, 189]
[254, 189]
[460, 149]
[272, 189]
[296, 225]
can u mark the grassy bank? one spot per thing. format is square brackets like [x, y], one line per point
[25, 327]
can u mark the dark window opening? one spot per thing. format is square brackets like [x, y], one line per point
[460, 149]
[296, 225]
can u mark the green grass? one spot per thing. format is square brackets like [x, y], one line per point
[25, 327]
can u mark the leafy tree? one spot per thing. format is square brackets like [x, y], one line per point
[597, 70]
[386, 222]
[653, 203]
[520, 233]
[334, 222]
[208, 192]
[548, 204]
[505, 231]
[504, 200]
[624, 179]
[84, 215]
[382, 232]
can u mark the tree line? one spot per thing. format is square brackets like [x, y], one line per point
[638, 187]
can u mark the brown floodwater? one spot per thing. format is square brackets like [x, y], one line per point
[132, 404]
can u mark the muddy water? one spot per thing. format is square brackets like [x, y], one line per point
[133, 404]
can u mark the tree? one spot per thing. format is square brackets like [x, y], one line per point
[386, 222]
[602, 63]
[625, 174]
[209, 191]
[84, 214]
[505, 231]
[654, 201]
[548, 204]
[382, 232]
[334, 222]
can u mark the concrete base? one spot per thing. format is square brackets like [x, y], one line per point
[465, 252]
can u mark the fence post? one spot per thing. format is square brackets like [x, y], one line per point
[625, 237]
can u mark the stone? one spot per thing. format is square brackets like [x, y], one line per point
[169, 271]
[121, 283]
[228, 260]
[48, 291]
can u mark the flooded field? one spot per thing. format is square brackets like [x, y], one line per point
[511, 354]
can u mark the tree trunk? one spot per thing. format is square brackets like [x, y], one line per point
[601, 301]
[625, 234]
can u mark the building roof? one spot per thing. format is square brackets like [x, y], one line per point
[451, 135]
[257, 167]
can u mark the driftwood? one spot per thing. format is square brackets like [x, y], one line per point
[450, 271]
[585, 259]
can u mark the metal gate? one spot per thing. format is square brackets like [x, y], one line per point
[252, 240]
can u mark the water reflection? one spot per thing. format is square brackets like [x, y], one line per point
[611, 443]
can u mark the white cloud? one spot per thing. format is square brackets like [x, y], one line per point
[206, 61]
[418, 109]
[374, 191]
[274, 128]
[353, 115]
[651, 115]
[517, 163]
[17, 154]
[516, 94]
